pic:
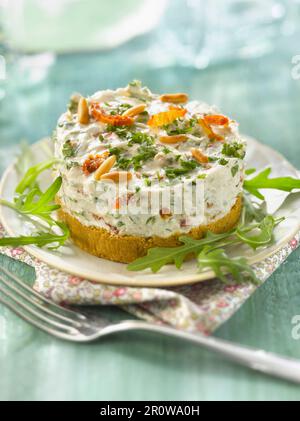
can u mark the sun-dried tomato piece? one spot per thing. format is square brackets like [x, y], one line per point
[166, 117]
[115, 120]
[93, 162]
[216, 119]
[208, 130]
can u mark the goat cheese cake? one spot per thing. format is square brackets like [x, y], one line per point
[119, 149]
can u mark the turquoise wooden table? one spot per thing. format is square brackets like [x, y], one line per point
[263, 96]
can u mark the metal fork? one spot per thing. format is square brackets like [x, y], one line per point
[78, 327]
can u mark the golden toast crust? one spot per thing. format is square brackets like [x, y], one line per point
[126, 248]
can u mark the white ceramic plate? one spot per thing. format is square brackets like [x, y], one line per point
[75, 261]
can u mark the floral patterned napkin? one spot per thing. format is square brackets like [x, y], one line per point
[201, 307]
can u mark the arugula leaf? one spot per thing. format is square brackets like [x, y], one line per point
[37, 207]
[24, 158]
[250, 171]
[210, 248]
[252, 211]
[32, 173]
[40, 239]
[157, 257]
[262, 181]
[222, 264]
[42, 206]
[263, 237]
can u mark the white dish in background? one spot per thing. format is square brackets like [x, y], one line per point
[77, 26]
[75, 261]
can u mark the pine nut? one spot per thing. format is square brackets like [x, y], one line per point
[117, 176]
[105, 167]
[199, 156]
[83, 111]
[173, 139]
[134, 111]
[179, 98]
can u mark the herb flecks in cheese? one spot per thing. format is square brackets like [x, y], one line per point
[158, 144]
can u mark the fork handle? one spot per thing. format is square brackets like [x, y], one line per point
[259, 360]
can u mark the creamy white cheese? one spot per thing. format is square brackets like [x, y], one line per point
[150, 161]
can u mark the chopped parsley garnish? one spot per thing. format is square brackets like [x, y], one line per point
[140, 138]
[120, 109]
[133, 137]
[145, 152]
[234, 170]
[121, 131]
[223, 161]
[186, 167]
[115, 151]
[180, 126]
[72, 164]
[124, 163]
[68, 149]
[73, 104]
[143, 117]
[189, 165]
[144, 114]
[135, 83]
[234, 150]
[136, 90]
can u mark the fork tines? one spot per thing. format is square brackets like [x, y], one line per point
[38, 310]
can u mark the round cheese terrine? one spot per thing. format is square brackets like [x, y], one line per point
[140, 170]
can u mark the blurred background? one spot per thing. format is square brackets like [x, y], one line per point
[238, 54]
